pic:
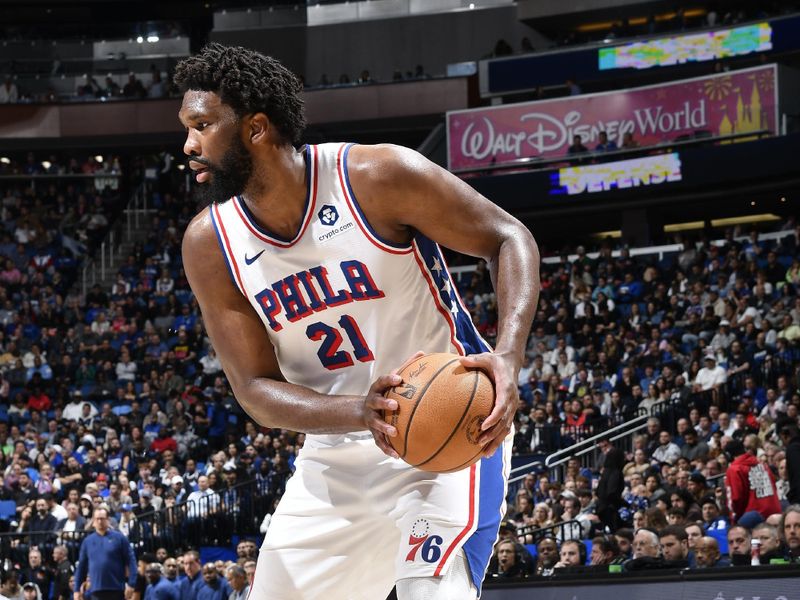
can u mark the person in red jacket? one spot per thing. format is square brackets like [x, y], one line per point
[752, 494]
[164, 441]
[38, 400]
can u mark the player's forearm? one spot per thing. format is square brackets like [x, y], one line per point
[515, 275]
[273, 403]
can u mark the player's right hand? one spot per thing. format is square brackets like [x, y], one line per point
[375, 403]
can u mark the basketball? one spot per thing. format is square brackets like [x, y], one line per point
[441, 406]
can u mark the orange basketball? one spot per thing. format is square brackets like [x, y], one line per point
[441, 406]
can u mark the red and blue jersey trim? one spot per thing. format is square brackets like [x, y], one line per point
[225, 246]
[463, 335]
[355, 208]
[491, 497]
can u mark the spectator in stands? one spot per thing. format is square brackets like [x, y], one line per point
[751, 490]
[171, 573]
[646, 551]
[707, 554]
[64, 569]
[573, 89]
[739, 545]
[506, 561]
[790, 527]
[573, 527]
[674, 546]
[547, 556]
[239, 582]
[194, 579]
[624, 538]
[159, 588]
[790, 437]
[572, 554]
[770, 542]
[9, 94]
[577, 146]
[711, 376]
[605, 551]
[628, 142]
[213, 587]
[611, 485]
[36, 572]
[693, 447]
[667, 451]
[157, 88]
[712, 519]
[45, 525]
[604, 144]
[71, 527]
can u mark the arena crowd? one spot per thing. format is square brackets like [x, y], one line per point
[116, 399]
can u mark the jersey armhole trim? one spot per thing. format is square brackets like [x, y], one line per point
[355, 208]
[222, 239]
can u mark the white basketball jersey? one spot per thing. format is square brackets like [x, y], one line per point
[342, 306]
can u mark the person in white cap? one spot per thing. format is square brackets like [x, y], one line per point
[177, 487]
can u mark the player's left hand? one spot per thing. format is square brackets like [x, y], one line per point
[502, 370]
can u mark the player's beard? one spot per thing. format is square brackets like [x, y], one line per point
[229, 178]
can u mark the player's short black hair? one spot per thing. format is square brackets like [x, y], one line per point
[249, 82]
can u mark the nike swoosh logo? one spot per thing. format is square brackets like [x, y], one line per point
[250, 261]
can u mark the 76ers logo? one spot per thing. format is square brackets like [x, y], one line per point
[428, 546]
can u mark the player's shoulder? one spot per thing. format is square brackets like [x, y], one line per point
[384, 160]
[200, 233]
[387, 165]
[200, 248]
[200, 227]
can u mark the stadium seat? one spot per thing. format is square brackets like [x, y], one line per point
[532, 549]
[721, 535]
[8, 510]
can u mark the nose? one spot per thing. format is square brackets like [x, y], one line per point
[191, 147]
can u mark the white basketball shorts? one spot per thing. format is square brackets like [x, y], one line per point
[353, 521]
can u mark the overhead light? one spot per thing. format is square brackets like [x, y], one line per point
[152, 39]
[47, 164]
[783, 198]
[689, 226]
[471, 5]
[140, 39]
[614, 233]
[99, 158]
[746, 220]
[5, 160]
[752, 203]
[181, 167]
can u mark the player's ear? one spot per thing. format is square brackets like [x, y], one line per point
[258, 128]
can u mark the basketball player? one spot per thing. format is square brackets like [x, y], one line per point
[318, 273]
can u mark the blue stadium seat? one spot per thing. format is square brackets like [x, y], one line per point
[721, 535]
[121, 409]
[8, 510]
[588, 544]
[532, 549]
